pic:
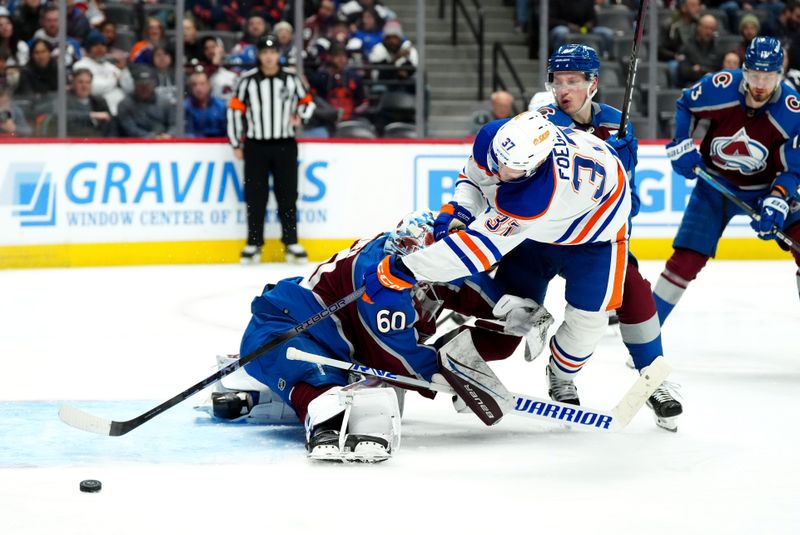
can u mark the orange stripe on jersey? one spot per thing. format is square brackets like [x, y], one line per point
[620, 262]
[602, 209]
[305, 100]
[474, 248]
[554, 352]
[238, 105]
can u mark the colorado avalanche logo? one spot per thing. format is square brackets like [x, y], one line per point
[792, 103]
[547, 111]
[722, 79]
[739, 153]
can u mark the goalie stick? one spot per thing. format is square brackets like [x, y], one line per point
[85, 421]
[530, 406]
[699, 171]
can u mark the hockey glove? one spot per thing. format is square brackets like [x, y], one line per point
[627, 148]
[773, 214]
[387, 281]
[452, 216]
[684, 157]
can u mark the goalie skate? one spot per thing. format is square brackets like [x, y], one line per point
[666, 408]
[356, 423]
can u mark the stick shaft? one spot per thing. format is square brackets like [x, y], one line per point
[714, 183]
[633, 64]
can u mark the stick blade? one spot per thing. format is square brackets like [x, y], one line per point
[642, 389]
[73, 416]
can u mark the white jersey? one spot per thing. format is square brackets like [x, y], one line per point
[579, 195]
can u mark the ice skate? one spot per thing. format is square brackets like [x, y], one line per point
[562, 390]
[296, 254]
[666, 408]
[251, 254]
[356, 423]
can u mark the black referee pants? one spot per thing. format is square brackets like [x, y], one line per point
[278, 157]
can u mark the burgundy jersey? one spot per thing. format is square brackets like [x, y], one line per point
[746, 146]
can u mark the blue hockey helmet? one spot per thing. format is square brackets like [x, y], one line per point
[413, 233]
[764, 54]
[574, 57]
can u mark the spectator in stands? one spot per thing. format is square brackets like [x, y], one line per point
[10, 40]
[153, 35]
[576, 16]
[789, 31]
[731, 61]
[207, 13]
[39, 78]
[244, 52]
[352, 10]
[9, 77]
[192, 49]
[164, 69]
[105, 75]
[12, 119]
[338, 34]
[78, 26]
[87, 115]
[49, 32]
[792, 76]
[117, 55]
[749, 26]
[284, 33]
[701, 53]
[318, 24]
[205, 114]
[502, 107]
[369, 31]
[142, 114]
[397, 51]
[236, 13]
[679, 31]
[339, 86]
[27, 17]
[222, 80]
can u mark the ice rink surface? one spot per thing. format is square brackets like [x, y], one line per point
[118, 341]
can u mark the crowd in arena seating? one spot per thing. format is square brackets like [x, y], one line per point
[120, 61]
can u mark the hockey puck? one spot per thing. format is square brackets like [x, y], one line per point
[91, 485]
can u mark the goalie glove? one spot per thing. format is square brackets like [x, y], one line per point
[473, 380]
[527, 318]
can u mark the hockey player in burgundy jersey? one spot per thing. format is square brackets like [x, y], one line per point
[573, 72]
[389, 337]
[752, 146]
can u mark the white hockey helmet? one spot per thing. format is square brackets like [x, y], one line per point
[523, 143]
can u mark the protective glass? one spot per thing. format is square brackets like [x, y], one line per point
[761, 80]
[569, 85]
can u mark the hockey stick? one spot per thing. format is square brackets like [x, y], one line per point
[529, 406]
[633, 64]
[84, 421]
[699, 171]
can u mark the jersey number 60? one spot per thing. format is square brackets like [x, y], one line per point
[390, 321]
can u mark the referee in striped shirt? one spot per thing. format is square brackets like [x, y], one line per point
[268, 103]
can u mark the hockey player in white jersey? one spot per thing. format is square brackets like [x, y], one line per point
[563, 190]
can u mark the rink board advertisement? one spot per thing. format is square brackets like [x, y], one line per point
[121, 203]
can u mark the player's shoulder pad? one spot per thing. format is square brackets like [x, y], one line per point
[530, 198]
[714, 88]
[480, 147]
[787, 109]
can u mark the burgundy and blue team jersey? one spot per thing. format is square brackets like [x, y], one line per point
[747, 147]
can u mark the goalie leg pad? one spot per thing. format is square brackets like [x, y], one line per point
[359, 422]
[473, 380]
